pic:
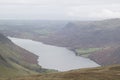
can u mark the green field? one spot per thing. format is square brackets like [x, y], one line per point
[86, 51]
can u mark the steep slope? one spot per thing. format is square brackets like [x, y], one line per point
[101, 73]
[16, 61]
[107, 56]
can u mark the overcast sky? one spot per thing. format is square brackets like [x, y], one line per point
[59, 9]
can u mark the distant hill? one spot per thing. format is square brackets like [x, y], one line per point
[100, 73]
[73, 34]
[87, 34]
[15, 61]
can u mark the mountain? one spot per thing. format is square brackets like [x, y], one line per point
[72, 34]
[100, 73]
[86, 34]
[16, 61]
[91, 39]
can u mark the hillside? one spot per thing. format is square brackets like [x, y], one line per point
[87, 34]
[30, 28]
[72, 34]
[100, 73]
[16, 61]
[109, 56]
[90, 39]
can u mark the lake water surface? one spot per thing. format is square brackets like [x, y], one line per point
[52, 57]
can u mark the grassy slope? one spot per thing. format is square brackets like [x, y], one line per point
[12, 62]
[107, 56]
[100, 73]
[15, 61]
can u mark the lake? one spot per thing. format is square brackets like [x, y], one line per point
[53, 57]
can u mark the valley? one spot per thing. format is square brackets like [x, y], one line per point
[59, 40]
[96, 36]
[93, 42]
